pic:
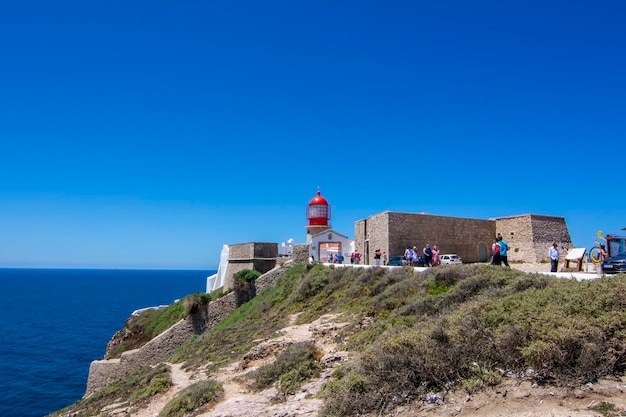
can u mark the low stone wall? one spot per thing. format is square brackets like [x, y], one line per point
[104, 372]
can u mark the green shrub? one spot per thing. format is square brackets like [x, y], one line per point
[136, 390]
[157, 381]
[489, 320]
[194, 400]
[293, 367]
[608, 409]
[248, 275]
[191, 303]
[313, 282]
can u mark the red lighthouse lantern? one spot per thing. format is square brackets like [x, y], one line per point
[318, 215]
[318, 211]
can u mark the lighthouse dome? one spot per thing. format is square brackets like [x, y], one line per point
[318, 211]
[318, 199]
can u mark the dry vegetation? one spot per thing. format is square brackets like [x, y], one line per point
[415, 337]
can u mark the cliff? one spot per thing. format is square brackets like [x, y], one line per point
[388, 335]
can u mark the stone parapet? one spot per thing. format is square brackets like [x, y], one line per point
[257, 256]
[300, 254]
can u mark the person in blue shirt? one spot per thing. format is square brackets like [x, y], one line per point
[504, 247]
[428, 255]
[553, 253]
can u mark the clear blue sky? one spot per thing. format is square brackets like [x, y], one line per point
[146, 134]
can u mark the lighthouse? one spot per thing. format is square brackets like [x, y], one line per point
[318, 215]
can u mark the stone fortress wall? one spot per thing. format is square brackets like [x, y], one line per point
[394, 232]
[104, 372]
[257, 256]
[529, 236]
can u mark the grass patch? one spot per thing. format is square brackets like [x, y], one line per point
[296, 365]
[133, 392]
[608, 409]
[194, 400]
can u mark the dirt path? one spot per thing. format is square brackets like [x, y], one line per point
[180, 380]
[238, 400]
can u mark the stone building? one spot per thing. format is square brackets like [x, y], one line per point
[257, 256]
[325, 244]
[529, 235]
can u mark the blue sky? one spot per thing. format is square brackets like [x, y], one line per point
[142, 134]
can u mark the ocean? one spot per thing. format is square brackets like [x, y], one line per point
[54, 322]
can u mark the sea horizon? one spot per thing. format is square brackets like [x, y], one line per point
[108, 268]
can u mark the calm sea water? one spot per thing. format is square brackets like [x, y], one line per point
[54, 322]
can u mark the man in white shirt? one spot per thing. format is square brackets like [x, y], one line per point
[553, 253]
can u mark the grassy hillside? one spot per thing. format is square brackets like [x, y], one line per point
[415, 333]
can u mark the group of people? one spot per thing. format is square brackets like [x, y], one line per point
[431, 256]
[379, 257]
[336, 258]
[499, 251]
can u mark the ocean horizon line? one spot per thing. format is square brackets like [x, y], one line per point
[82, 268]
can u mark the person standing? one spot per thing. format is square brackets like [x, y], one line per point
[377, 257]
[385, 258]
[603, 253]
[415, 256]
[408, 256]
[357, 257]
[495, 250]
[504, 247]
[428, 255]
[436, 258]
[553, 253]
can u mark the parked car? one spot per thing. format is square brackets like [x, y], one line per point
[396, 261]
[451, 259]
[614, 264]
